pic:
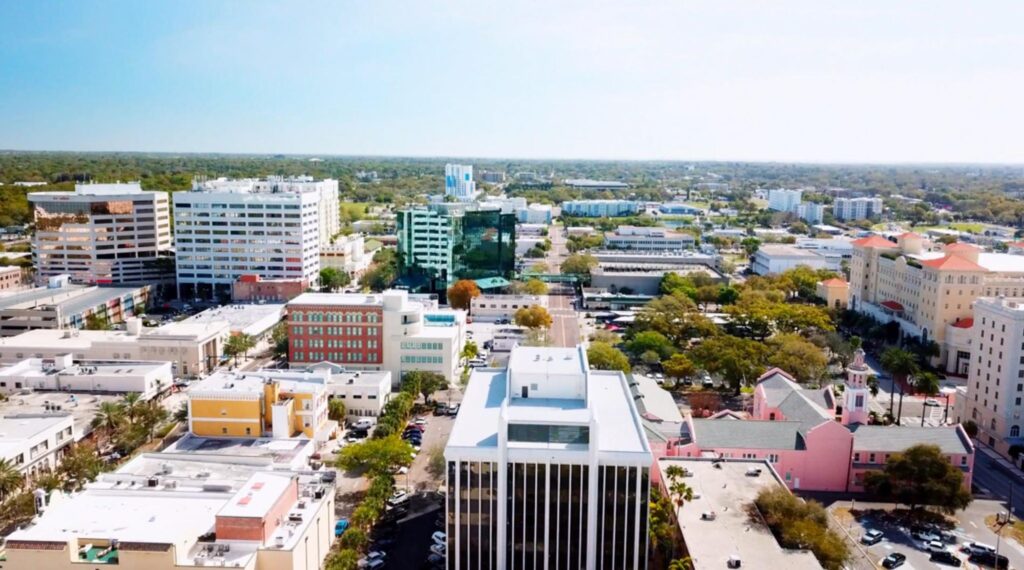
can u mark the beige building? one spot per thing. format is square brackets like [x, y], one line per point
[835, 292]
[924, 288]
[11, 278]
[192, 349]
[995, 387]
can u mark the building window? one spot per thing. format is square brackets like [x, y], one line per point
[224, 431]
[1015, 431]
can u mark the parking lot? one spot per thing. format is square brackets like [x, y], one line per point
[898, 536]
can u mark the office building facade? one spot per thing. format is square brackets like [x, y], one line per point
[600, 208]
[227, 229]
[995, 386]
[783, 200]
[856, 208]
[102, 234]
[548, 467]
[458, 182]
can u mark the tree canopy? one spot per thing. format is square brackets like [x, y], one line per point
[423, 382]
[603, 356]
[462, 293]
[920, 476]
[533, 317]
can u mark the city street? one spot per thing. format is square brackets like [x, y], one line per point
[565, 327]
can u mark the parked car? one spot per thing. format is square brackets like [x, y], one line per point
[872, 536]
[946, 557]
[990, 559]
[340, 527]
[453, 410]
[439, 549]
[978, 547]
[934, 546]
[924, 535]
[398, 498]
[440, 409]
[439, 537]
[421, 422]
[894, 560]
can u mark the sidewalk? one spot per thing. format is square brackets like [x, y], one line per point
[1003, 463]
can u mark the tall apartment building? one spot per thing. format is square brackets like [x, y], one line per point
[439, 245]
[389, 331]
[228, 228]
[927, 290]
[783, 200]
[995, 386]
[810, 212]
[102, 233]
[458, 182]
[856, 208]
[548, 467]
[600, 208]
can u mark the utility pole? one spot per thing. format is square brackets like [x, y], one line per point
[899, 414]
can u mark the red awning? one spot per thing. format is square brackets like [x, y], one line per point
[892, 305]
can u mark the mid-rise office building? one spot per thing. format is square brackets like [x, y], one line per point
[995, 386]
[102, 233]
[390, 331]
[61, 305]
[600, 208]
[228, 228]
[439, 245]
[458, 182]
[856, 208]
[783, 200]
[548, 467]
[810, 212]
[534, 214]
[648, 239]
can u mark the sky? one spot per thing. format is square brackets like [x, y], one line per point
[804, 81]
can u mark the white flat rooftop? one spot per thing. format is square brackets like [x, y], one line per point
[252, 320]
[337, 299]
[257, 496]
[546, 361]
[727, 492]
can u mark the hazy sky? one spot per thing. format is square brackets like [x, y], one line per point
[684, 79]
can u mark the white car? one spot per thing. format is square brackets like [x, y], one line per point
[398, 498]
[871, 536]
[440, 538]
[934, 546]
[439, 549]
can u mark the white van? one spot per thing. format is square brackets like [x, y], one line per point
[364, 423]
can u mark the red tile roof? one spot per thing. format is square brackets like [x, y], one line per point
[953, 263]
[960, 246]
[874, 241]
[835, 281]
[892, 305]
[909, 234]
[964, 323]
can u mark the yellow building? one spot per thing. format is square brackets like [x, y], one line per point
[835, 292]
[926, 287]
[277, 404]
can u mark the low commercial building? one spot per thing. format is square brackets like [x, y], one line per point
[364, 392]
[392, 331]
[167, 511]
[255, 289]
[645, 279]
[655, 259]
[598, 298]
[11, 277]
[268, 403]
[835, 292]
[63, 374]
[35, 443]
[678, 209]
[192, 349]
[771, 259]
[256, 320]
[713, 523]
[530, 230]
[600, 208]
[61, 305]
[497, 307]
[588, 184]
[555, 455]
[648, 239]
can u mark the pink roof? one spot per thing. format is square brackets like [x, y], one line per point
[960, 246]
[834, 282]
[953, 263]
[873, 241]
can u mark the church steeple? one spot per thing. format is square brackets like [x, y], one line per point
[855, 396]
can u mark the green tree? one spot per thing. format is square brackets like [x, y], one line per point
[535, 287]
[10, 479]
[470, 350]
[739, 360]
[332, 279]
[132, 405]
[239, 344]
[423, 382]
[377, 456]
[673, 282]
[95, 322]
[462, 293]
[678, 366]
[603, 356]
[579, 264]
[336, 410]
[533, 317]
[675, 316]
[920, 476]
[279, 339]
[926, 383]
[108, 416]
[650, 341]
[80, 465]
[900, 363]
[750, 245]
[662, 528]
[797, 356]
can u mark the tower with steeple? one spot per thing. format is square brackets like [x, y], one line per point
[855, 395]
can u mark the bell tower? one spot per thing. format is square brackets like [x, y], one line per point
[855, 395]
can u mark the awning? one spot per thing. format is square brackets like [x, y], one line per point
[892, 306]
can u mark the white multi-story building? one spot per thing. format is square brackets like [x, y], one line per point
[548, 467]
[228, 228]
[600, 208]
[497, 307]
[772, 259]
[62, 373]
[995, 386]
[856, 208]
[810, 212]
[648, 239]
[505, 204]
[35, 443]
[783, 200]
[458, 182]
[363, 392]
[534, 214]
[348, 254]
[102, 233]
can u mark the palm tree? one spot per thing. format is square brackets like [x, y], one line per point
[108, 416]
[900, 363]
[10, 478]
[132, 405]
[681, 492]
[681, 564]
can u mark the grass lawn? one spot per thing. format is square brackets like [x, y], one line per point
[1014, 530]
[356, 210]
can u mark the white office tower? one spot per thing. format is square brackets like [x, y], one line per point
[458, 181]
[548, 467]
[228, 228]
[102, 233]
[856, 208]
[783, 200]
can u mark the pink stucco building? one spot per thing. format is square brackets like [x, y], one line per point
[812, 439]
